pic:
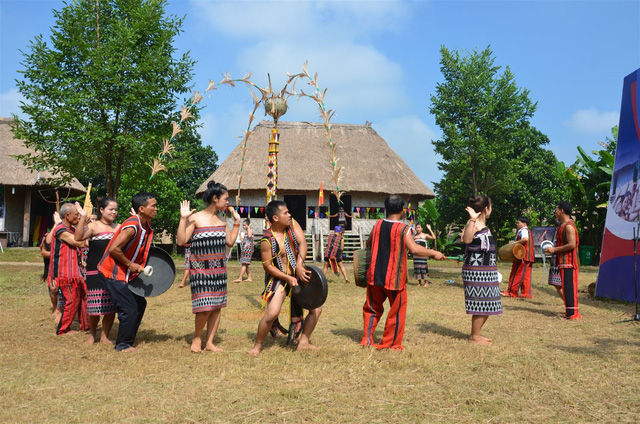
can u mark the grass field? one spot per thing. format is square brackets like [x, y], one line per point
[539, 368]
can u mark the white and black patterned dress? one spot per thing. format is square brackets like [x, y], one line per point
[98, 300]
[247, 250]
[420, 266]
[208, 269]
[480, 276]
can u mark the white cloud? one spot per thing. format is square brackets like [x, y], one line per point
[358, 78]
[300, 20]
[592, 122]
[410, 137]
[10, 103]
[332, 37]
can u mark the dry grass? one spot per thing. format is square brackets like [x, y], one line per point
[539, 369]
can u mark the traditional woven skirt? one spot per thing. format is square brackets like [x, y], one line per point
[247, 251]
[420, 266]
[480, 278]
[554, 273]
[187, 255]
[208, 269]
[98, 300]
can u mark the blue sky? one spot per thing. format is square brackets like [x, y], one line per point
[380, 61]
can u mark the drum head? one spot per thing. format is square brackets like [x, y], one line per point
[314, 293]
[164, 272]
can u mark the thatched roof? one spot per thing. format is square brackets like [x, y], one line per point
[370, 165]
[13, 172]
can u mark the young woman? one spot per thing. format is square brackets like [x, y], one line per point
[246, 238]
[209, 238]
[480, 269]
[420, 266]
[99, 234]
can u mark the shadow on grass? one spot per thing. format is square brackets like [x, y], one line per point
[603, 348]
[536, 311]
[253, 301]
[152, 336]
[432, 327]
[354, 334]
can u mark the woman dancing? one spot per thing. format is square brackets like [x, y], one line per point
[209, 238]
[420, 266]
[480, 269]
[99, 234]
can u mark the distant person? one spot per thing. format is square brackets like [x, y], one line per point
[342, 217]
[566, 260]
[187, 257]
[209, 238]
[98, 233]
[333, 253]
[246, 254]
[45, 251]
[387, 275]
[420, 265]
[124, 258]
[283, 249]
[480, 269]
[64, 270]
[520, 276]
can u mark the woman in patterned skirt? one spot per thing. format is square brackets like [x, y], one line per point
[99, 234]
[209, 238]
[480, 269]
[420, 266]
[246, 238]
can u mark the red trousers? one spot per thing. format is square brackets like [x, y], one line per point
[75, 295]
[372, 312]
[520, 279]
[570, 291]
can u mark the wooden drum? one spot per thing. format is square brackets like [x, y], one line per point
[512, 252]
[361, 263]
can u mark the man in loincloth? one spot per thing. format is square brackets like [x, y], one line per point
[566, 261]
[283, 249]
[65, 273]
[123, 259]
[387, 275]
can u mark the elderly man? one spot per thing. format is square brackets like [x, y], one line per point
[64, 270]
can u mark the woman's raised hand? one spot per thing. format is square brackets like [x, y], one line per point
[185, 209]
[473, 215]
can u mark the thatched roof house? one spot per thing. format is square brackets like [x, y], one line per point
[372, 170]
[23, 208]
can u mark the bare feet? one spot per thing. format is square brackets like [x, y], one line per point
[212, 348]
[129, 350]
[181, 285]
[56, 316]
[347, 281]
[255, 351]
[237, 280]
[306, 346]
[69, 332]
[91, 340]
[105, 340]
[248, 280]
[480, 340]
[196, 345]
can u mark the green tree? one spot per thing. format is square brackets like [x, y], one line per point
[191, 164]
[99, 97]
[488, 144]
